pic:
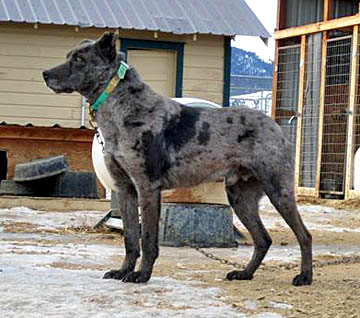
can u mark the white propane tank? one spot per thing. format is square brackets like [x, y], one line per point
[357, 170]
[99, 164]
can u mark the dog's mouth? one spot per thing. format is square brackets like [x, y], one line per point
[59, 90]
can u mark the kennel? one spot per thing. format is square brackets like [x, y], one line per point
[316, 93]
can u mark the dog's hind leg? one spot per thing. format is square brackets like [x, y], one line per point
[128, 206]
[244, 198]
[280, 191]
[150, 215]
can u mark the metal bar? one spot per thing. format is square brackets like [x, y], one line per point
[340, 38]
[351, 117]
[300, 110]
[321, 112]
[289, 46]
[274, 83]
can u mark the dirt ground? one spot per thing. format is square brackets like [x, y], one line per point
[51, 264]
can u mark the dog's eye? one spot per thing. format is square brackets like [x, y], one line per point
[78, 59]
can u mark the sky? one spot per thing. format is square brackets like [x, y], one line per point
[266, 11]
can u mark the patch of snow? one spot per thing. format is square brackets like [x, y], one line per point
[280, 305]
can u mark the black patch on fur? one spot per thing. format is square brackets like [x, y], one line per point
[242, 120]
[133, 124]
[229, 120]
[204, 134]
[156, 159]
[248, 133]
[180, 129]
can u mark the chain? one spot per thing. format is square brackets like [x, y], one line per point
[218, 259]
[288, 266]
[92, 125]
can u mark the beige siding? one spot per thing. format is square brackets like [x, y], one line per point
[25, 52]
[204, 70]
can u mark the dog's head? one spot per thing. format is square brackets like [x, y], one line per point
[87, 66]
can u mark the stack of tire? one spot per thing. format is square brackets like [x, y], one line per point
[50, 177]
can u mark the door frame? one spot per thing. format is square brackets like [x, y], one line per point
[126, 44]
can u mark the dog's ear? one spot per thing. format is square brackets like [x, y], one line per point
[107, 45]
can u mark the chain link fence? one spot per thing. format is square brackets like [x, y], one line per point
[251, 91]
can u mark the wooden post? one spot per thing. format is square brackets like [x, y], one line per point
[279, 15]
[351, 117]
[321, 112]
[274, 81]
[327, 10]
[300, 111]
[318, 27]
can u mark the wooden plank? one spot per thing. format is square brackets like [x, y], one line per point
[309, 192]
[209, 193]
[203, 86]
[41, 122]
[299, 123]
[54, 35]
[318, 27]
[30, 87]
[64, 101]
[19, 49]
[202, 39]
[279, 15]
[353, 194]
[274, 81]
[196, 73]
[321, 113]
[194, 48]
[36, 112]
[213, 62]
[327, 10]
[17, 74]
[29, 62]
[351, 117]
[46, 133]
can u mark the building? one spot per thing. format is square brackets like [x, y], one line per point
[180, 47]
[316, 92]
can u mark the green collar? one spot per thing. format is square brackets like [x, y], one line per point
[120, 75]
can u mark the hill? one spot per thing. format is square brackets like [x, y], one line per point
[248, 63]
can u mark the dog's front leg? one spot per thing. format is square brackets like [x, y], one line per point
[150, 214]
[128, 205]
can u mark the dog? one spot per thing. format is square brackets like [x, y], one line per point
[154, 143]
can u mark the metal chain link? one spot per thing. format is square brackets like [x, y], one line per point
[287, 266]
[221, 260]
[92, 114]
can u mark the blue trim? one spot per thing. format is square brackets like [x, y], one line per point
[161, 45]
[227, 70]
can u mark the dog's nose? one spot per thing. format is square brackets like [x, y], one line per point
[46, 75]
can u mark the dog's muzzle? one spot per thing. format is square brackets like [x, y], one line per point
[46, 75]
[51, 83]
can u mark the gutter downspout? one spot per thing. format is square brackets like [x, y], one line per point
[83, 115]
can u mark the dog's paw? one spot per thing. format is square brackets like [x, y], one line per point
[116, 274]
[136, 277]
[239, 275]
[302, 280]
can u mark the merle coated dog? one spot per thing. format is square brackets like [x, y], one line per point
[154, 143]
